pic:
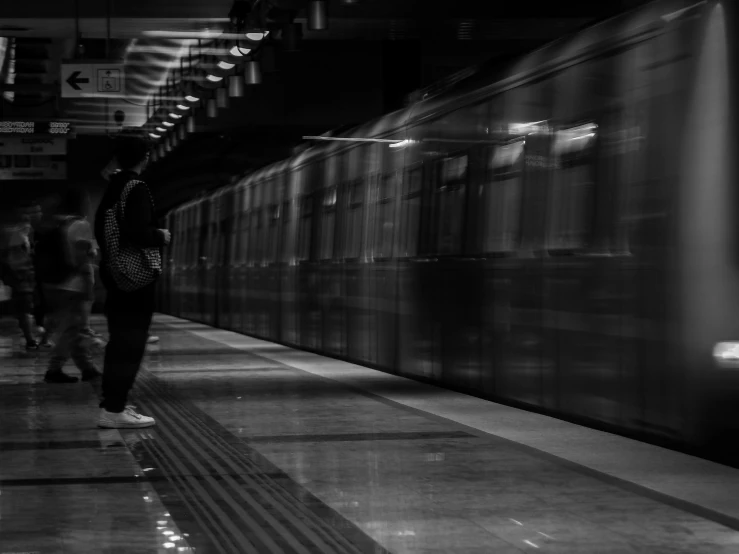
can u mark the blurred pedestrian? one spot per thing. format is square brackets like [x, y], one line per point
[19, 275]
[64, 257]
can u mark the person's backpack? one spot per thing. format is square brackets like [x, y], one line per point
[131, 267]
[52, 262]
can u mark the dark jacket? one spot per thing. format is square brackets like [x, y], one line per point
[139, 227]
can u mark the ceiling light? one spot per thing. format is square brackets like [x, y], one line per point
[211, 109]
[214, 78]
[191, 98]
[175, 115]
[168, 123]
[161, 129]
[236, 51]
[182, 107]
[226, 66]
[256, 36]
[155, 136]
[252, 73]
[222, 98]
[317, 17]
[235, 86]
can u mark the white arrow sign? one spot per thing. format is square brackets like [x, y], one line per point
[92, 80]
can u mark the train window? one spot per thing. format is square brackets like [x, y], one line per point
[413, 182]
[187, 237]
[502, 198]
[304, 230]
[236, 257]
[193, 236]
[387, 186]
[385, 220]
[410, 216]
[571, 199]
[354, 215]
[356, 193]
[274, 214]
[328, 223]
[285, 235]
[259, 230]
[451, 189]
[329, 198]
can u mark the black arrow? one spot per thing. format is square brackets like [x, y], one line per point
[74, 78]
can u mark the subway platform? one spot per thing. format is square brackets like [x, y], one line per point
[264, 449]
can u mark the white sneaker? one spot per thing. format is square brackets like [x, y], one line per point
[127, 419]
[152, 339]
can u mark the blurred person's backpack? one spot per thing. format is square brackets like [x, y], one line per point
[53, 263]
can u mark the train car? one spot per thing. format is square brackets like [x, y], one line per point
[559, 234]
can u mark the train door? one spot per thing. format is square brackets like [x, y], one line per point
[353, 217]
[274, 266]
[415, 323]
[238, 288]
[309, 287]
[203, 239]
[225, 240]
[288, 253]
[456, 275]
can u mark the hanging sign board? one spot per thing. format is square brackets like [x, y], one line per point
[33, 146]
[23, 128]
[32, 168]
[89, 80]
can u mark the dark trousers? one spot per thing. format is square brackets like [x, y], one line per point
[68, 309]
[129, 316]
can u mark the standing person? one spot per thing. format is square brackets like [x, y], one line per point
[64, 258]
[126, 219]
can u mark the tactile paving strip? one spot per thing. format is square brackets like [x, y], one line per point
[237, 500]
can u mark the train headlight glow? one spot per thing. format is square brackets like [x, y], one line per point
[727, 353]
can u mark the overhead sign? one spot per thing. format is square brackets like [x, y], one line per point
[33, 146]
[35, 128]
[92, 79]
[48, 170]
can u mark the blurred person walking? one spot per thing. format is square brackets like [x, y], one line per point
[130, 244]
[65, 252]
[18, 272]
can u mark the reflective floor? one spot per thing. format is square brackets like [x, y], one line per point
[263, 449]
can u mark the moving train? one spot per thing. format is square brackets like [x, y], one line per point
[558, 235]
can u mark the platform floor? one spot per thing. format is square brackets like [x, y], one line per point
[264, 449]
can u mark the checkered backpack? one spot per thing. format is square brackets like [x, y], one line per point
[131, 267]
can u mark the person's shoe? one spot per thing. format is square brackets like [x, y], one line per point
[90, 373]
[59, 377]
[31, 345]
[47, 344]
[152, 339]
[127, 419]
[94, 339]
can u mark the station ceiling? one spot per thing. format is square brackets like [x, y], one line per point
[373, 54]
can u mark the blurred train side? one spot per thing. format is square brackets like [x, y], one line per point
[583, 264]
